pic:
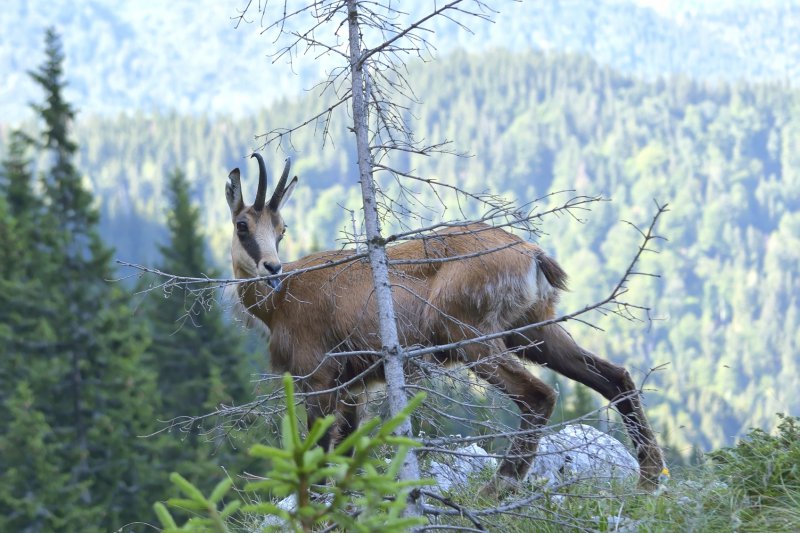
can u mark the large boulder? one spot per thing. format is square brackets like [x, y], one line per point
[580, 452]
[577, 452]
[463, 463]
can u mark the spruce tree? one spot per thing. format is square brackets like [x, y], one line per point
[25, 304]
[583, 403]
[36, 493]
[191, 336]
[572, 404]
[15, 194]
[198, 355]
[16, 182]
[92, 384]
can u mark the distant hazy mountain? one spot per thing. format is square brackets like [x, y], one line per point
[186, 56]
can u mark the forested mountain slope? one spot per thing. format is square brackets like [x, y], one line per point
[724, 156]
[186, 55]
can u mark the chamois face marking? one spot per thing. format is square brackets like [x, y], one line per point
[255, 243]
[258, 228]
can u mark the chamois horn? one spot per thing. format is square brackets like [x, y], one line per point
[280, 188]
[261, 193]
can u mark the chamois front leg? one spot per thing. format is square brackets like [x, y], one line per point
[323, 399]
[346, 422]
[346, 419]
[557, 350]
[319, 405]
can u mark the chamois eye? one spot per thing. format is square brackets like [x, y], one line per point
[241, 227]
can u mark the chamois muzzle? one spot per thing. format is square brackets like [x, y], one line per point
[273, 268]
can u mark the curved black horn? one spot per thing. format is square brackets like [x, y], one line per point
[280, 188]
[261, 193]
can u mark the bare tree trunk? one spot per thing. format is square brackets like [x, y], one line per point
[392, 351]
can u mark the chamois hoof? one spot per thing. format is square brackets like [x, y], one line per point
[652, 479]
[499, 486]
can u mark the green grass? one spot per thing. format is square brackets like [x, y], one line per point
[697, 498]
[753, 486]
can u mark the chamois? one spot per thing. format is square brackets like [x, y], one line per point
[453, 285]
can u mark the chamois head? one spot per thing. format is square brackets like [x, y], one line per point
[258, 228]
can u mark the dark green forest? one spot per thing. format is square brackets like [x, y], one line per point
[87, 384]
[90, 366]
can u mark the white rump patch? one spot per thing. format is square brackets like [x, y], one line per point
[538, 287]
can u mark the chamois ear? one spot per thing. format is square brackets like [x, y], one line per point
[233, 192]
[287, 192]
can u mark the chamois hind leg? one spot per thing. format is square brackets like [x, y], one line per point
[534, 399]
[556, 349]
